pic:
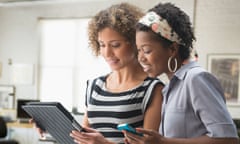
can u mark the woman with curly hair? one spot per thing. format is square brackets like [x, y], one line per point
[194, 109]
[126, 94]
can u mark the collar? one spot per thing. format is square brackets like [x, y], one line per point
[180, 74]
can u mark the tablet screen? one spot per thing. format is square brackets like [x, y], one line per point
[54, 118]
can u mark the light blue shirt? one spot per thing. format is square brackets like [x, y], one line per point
[194, 105]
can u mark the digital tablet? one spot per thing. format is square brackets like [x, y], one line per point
[53, 118]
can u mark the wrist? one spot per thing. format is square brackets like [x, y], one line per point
[163, 140]
[109, 142]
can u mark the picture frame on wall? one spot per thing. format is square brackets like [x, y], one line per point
[226, 68]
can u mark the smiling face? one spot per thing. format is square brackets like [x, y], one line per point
[115, 49]
[152, 56]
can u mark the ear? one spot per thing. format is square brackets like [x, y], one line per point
[174, 47]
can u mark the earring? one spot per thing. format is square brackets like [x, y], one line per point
[169, 64]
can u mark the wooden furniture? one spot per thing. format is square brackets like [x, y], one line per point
[19, 125]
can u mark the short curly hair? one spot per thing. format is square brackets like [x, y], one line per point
[119, 17]
[179, 22]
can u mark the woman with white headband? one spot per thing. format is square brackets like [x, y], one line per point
[194, 109]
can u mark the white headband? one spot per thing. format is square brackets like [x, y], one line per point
[160, 26]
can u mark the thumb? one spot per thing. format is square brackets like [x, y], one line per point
[146, 131]
[87, 129]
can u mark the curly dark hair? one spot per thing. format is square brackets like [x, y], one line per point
[179, 22]
[120, 17]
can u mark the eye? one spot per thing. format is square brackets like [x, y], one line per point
[115, 44]
[138, 50]
[147, 50]
[101, 45]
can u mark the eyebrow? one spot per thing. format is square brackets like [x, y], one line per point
[113, 40]
[144, 45]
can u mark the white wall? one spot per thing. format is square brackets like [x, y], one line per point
[217, 27]
[20, 36]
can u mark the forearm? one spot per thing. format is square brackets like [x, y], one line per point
[85, 122]
[109, 142]
[200, 140]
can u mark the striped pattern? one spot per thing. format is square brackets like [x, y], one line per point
[106, 109]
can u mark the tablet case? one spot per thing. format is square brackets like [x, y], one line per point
[53, 118]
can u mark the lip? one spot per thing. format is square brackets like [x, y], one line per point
[145, 67]
[112, 61]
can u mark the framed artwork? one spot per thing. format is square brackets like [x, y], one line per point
[226, 67]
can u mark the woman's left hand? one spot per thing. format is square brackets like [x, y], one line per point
[91, 136]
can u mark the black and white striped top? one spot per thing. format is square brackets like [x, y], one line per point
[106, 109]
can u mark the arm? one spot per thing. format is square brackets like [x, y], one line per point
[85, 122]
[200, 140]
[152, 116]
[153, 137]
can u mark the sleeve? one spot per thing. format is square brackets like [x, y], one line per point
[209, 105]
[148, 93]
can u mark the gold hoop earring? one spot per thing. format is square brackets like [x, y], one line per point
[169, 64]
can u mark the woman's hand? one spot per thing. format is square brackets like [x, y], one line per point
[39, 130]
[91, 136]
[150, 137]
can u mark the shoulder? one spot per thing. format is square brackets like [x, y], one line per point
[201, 81]
[99, 78]
[199, 74]
[154, 86]
[154, 81]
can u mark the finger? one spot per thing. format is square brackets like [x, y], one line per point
[132, 138]
[31, 121]
[126, 141]
[129, 134]
[40, 132]
[77, 134]
[90, 130]
[129, 140]
[84, 135]
[78, 137]
[145, 131]
[78, 142]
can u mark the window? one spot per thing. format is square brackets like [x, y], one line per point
[66, 62]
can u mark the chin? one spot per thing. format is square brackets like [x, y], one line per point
[152, 75]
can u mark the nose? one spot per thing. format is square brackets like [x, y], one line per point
[141, 57]
[107, 52]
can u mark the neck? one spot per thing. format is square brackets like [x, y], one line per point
[126, 78]
[180, 64]
[132, 72]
